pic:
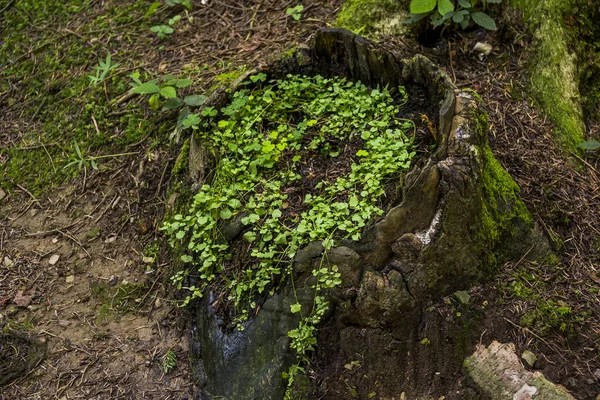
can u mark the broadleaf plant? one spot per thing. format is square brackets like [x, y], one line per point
[460, 12]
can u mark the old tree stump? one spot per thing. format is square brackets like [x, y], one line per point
[456, 218]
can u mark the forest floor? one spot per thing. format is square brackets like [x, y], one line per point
[83, 265]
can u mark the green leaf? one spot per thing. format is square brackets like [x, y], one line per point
[484, 20]
[190, 120]
[146, 88]
[590, 145]
[458, 18]
[182, 83]
[168, 92]
[194, 100]
[226, 213]
[422, 6]
[250, 236]
[296, 308]
[154, 101]
[412, 18]
[463, 296]
[445, 6]
[152, 9]
[172, 103]
[465, 3]
[185, 258]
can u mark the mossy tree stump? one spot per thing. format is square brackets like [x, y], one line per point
[457, 218]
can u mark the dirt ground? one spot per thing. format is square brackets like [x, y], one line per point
[84, 267]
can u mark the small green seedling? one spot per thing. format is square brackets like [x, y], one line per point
[169, 361]
[295, 12]
[102, 70]
[83, 162]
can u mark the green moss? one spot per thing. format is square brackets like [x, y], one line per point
[371, 16]
[503, 214]
[226, 78]
[553, 74]
[503, 211]
[50, 84]
[181, 164]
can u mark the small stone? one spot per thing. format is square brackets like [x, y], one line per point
[597, 374]
[8, 262]
[157, 303]
[113, 280]
[125, 282]
[483, 48]
[70, 279]
[33, 308]
[2, 194]
[55, 240]
[33, 212]
[53, 259]
[23, 300]
[64, 323]
[148, 260]
[110, 239]
[148, 363]
[529, 358]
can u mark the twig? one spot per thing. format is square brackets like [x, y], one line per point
[535, 336]
[28, 192]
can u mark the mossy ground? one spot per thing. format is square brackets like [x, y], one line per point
[45, 81]
[563, 63]
[369, 16]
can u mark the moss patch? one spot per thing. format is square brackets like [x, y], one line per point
[44, 70]
[372, 16]
[553, 70]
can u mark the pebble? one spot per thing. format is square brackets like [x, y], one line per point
[529, 358]
[8, 261]
[23, 300]
[157, 303]
[33, 308]
[113, 280]
[70, 279]
[2, 194]
[148, 260]
[55, 240]
[125, 282]
[33, 212]
[110, 239]
[597, 374]
[64, 323]
[53, 259]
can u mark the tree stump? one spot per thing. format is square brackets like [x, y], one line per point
[457, 218]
